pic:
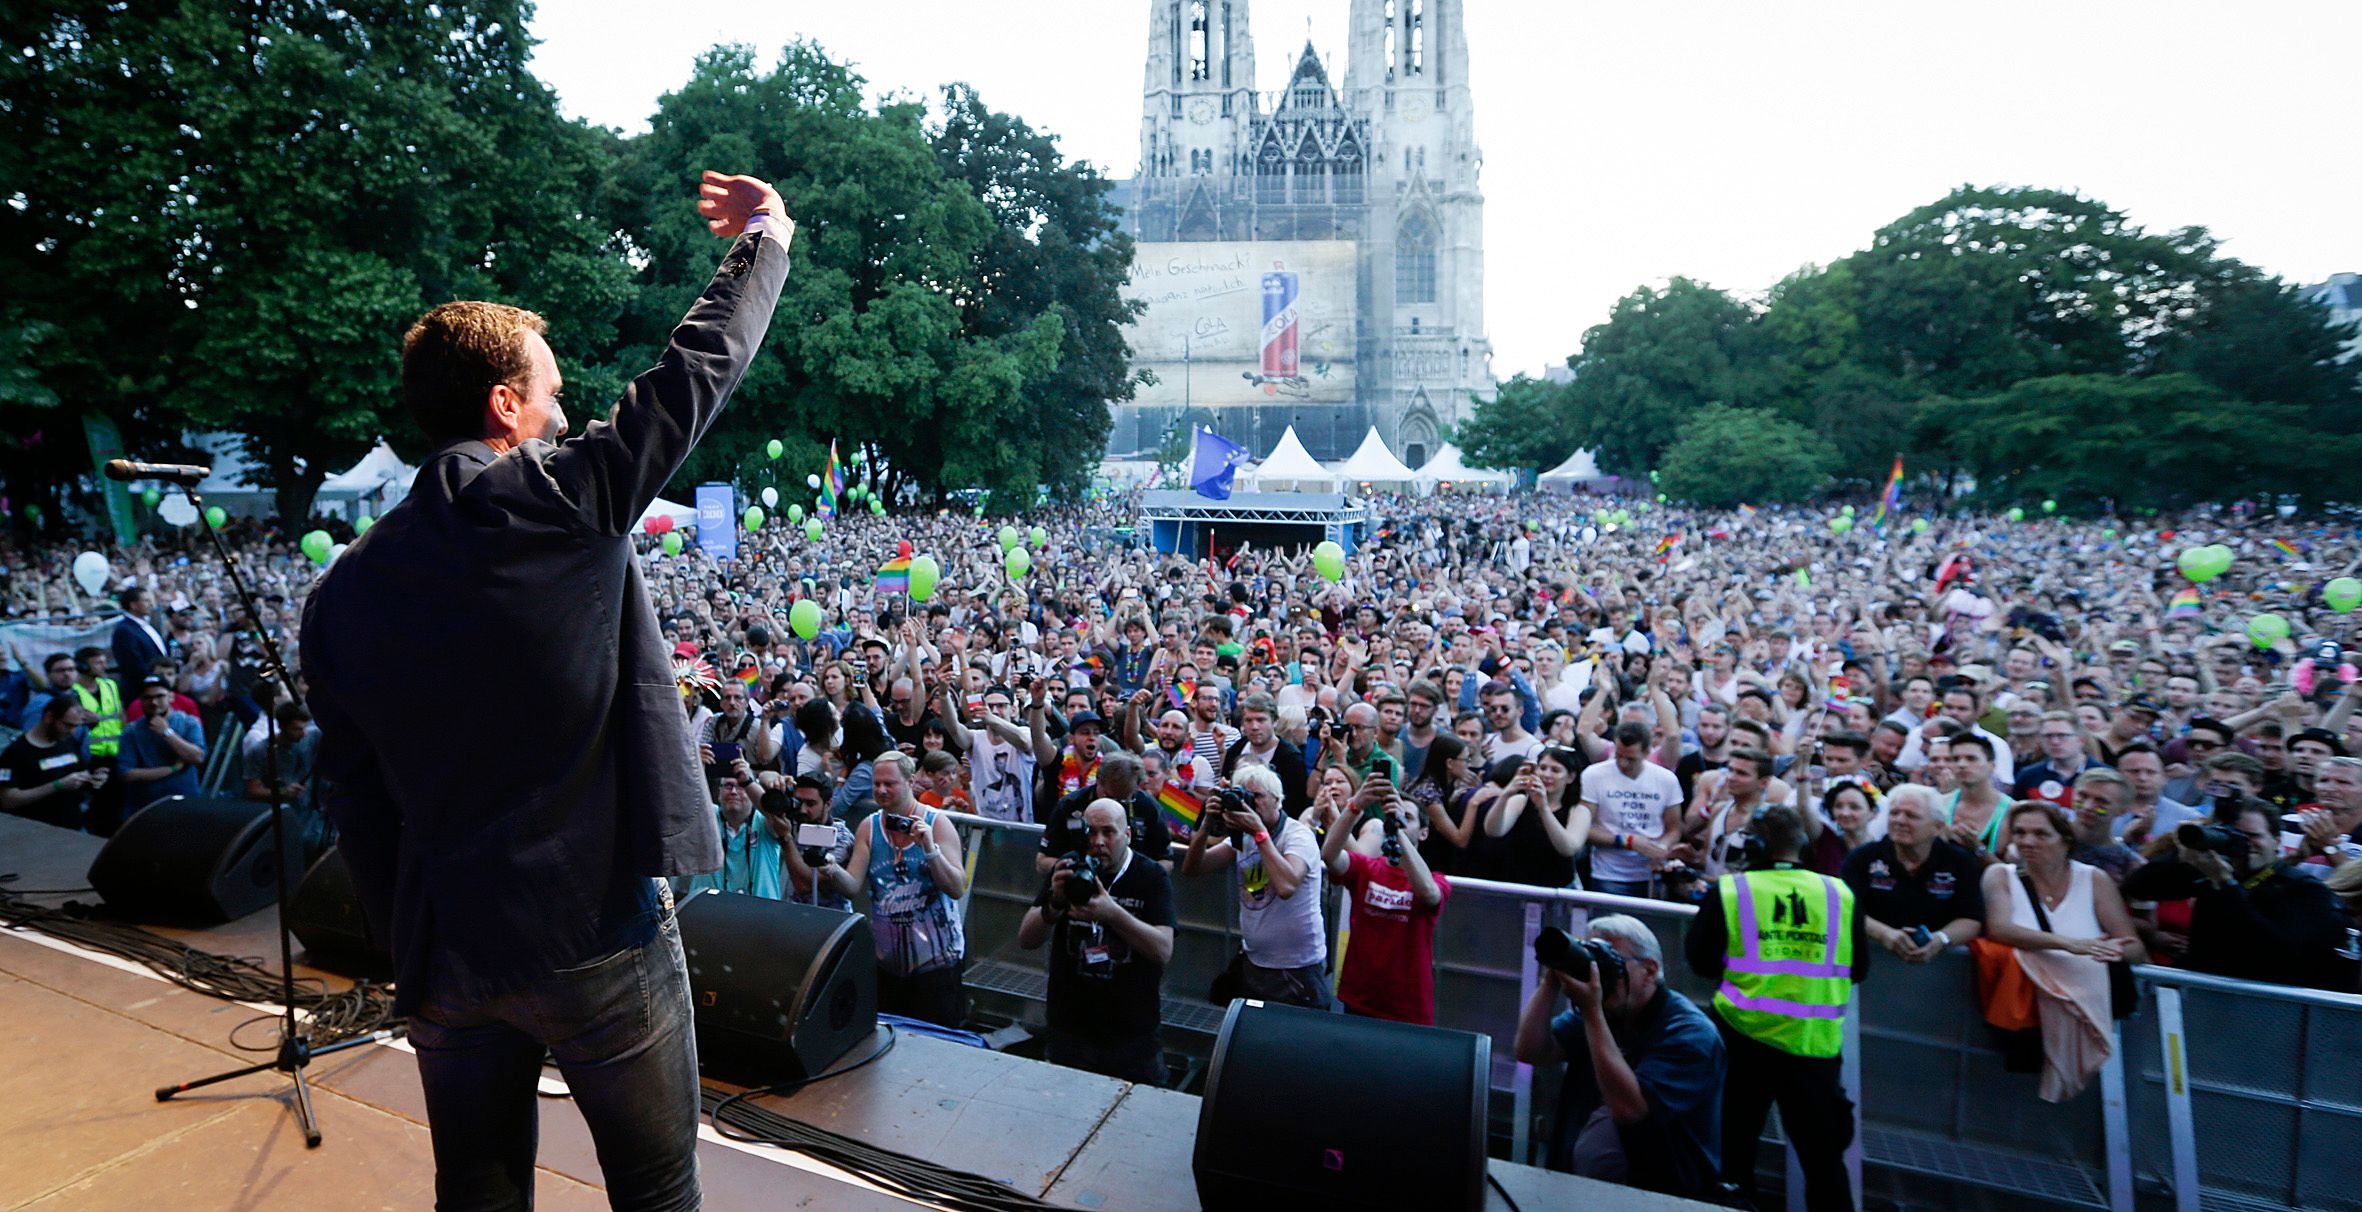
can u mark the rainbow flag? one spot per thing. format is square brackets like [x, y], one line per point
[1747, 510]
[894, 576]
[832, 482]
[1181, 809]
[749, 675]
[2286, 548]
[1666, 544]
[2184, 605]
[1180, 693]
[1892, 498]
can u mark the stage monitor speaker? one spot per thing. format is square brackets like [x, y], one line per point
[781, 989]
[189, 861]
[325, 913]
[1307, 1109]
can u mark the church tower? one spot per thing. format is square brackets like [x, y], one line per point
[1407, 69]
[1197, 109]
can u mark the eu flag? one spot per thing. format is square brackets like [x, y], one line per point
[1213, 462]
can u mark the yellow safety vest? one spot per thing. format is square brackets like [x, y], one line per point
[1788, 965]
[106, 734]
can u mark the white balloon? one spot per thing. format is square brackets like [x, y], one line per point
[812, 481]
[336, 551]
[177, 511]
[770, 498]
[90, 571]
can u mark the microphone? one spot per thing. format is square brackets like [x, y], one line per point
[184, 474]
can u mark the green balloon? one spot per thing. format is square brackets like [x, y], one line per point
[2050, 507]
[2264, 630]
[1642, 507]
[671, 542]
[316, 544]
[774, 448]
[924, 573]
[1328, 560]
[753, 517]
[152, 498]
[1804, 579]
[812, 529]
[2342, 594]
[2203, 564]
[1039, 537]
[1662, 498]
[362, 524]
[1839, 525]
[33, 514]
[795, 513]
[1919, 526]
[876, 505]
[215, 515]
[804, 617]
[1848, 511]
[1009, 538]
[2016, 514]
[1017, 563]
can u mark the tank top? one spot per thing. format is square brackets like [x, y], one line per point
[916, 924]
[1721, 839]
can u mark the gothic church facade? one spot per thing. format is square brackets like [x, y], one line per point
[1386, 166]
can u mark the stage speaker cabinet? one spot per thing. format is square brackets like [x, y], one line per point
[325, 913]
[780, 989]
[1315, 1110]
[189, 861]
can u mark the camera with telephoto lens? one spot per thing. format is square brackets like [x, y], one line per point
[1391, 847]
[1558, 951]
[1082, 877]
[2213, 838]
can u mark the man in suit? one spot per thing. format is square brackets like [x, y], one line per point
[137, 643]
[515, 857]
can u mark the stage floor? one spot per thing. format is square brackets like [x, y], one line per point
[87, 1039]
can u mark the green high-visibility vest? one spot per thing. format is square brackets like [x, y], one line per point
[1788, 967]
[106, 703]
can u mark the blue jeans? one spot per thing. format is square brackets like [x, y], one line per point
[621, 1032]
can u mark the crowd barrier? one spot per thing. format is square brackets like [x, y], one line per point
[2244, 1095]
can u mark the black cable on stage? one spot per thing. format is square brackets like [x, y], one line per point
[912, 1178]
[1506, 1198]
[363, 1008]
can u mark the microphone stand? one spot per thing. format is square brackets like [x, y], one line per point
[295, 1049]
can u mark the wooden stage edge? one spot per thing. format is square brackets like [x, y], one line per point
[88, 1038]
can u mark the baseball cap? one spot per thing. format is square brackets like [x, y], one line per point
[2142, 702]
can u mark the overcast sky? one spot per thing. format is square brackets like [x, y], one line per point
[1627, 142]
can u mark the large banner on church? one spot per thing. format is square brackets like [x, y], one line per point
[1245, 323]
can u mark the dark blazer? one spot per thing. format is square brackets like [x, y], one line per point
[134, 652]
[504, 742]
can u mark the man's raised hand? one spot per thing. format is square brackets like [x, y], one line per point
[727, 203]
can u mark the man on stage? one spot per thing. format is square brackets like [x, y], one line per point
[515, 856]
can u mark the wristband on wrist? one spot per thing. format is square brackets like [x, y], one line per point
[1262, 838]
[1943, 938]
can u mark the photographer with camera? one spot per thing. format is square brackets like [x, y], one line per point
[1640, 1103]
[1276, 865]
[804, 810]
[1786, 946]
[908, 857]
[1389, 971]
[1108, 913]
[2252, 915]
[750, 848]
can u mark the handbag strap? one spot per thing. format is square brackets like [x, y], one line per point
[2034, 898]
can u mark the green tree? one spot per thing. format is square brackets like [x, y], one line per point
[1729, 456]
[2162, 441]
[1529, 424]
[1660, 357]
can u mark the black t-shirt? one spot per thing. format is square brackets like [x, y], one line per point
[1063, 832]
[907, 734]
[25, 766]
[1692, 765]
[1524, 855]
[1098, 988]
[247, 660]
[1948, 885]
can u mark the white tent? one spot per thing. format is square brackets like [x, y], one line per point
[1448, 468]
[1377, 467]
[1579, 468]
[683, 517]
[380, 467]
[1291, 468]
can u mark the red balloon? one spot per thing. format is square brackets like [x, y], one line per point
[2165, 534]
[902, 548]
[659, 524]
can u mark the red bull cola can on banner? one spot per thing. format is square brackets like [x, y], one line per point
[1280, 291]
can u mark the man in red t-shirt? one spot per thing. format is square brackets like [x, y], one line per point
[1389, 969]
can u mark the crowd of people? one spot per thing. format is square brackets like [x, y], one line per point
[2035, 733]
